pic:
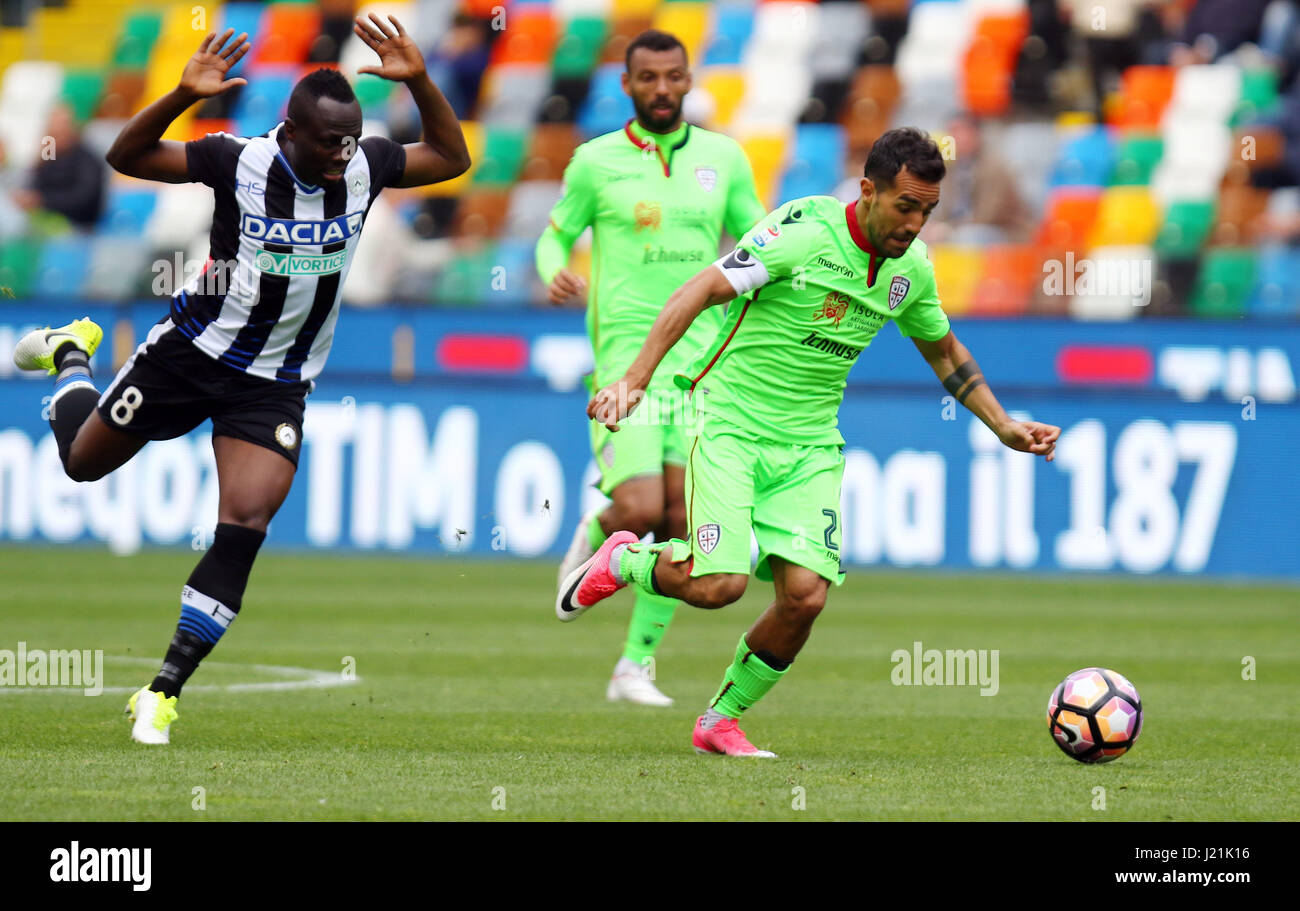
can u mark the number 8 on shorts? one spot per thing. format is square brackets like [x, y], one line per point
[123, 409]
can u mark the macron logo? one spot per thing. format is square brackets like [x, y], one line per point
[76, 864]
[288, 231]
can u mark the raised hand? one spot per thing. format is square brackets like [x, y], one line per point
[399, 57]
[205, 73]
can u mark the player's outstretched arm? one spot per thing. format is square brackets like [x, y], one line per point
[956, 368]
[706, 289]
[139, 150]
[443, 153]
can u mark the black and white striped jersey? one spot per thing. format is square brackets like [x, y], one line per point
[268, 298]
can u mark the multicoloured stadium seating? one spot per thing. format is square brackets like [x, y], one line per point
[805, 87]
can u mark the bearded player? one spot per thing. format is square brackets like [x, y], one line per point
[243, 341]
[820, 280]
[657, 195]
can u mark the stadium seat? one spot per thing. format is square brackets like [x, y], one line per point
[81, 91]
[243, 16]
[1223, 283]
[529, 211]
[137, 37]
[732, 26]
[816, 161]
[127, 211]
[1069, 217]
[725, 86]
[1086, 160]
[1126, 216]
[1186, 226]
[289, 30]
[689, 21]
[1208, 92]
[467, 280]
[622, 29]
[515, 282]
[1258, 95]
[119, 268]
[1277, 284]
[503, 155]
[19, 258]
[550, 148]
[1029, 151]
[1144, 94]
[28, 91]
[1009, 276]
[64, 263]
[529, 37]
[607, 108]
[578, 48]
[869, 108]
[262, 102]
[481, 212]
[957, 272]
[841, 29]
[928, 104]
[766, 152]
[1136, 159]
[512, 94]
[1237, 215]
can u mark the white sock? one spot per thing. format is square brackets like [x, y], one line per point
[614, 559]
[711, 718]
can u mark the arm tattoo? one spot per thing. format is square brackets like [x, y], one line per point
[962, 381]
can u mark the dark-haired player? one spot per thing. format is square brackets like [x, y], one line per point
[657, 195]
[243, 341]
[820, 280]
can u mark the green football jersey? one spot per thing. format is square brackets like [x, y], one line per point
[657, 205]
[817, 296]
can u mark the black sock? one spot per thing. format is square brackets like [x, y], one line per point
[775, 663]
[74, 396]
[210, 601]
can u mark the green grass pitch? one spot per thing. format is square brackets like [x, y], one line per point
[475, 703]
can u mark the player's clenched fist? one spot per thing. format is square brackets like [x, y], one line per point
[1030, 436]
[565, 287]
[615, 402]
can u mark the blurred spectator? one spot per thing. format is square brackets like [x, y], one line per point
[1109, 32]
[458, 62]
[1285, 172]
[68, 179]
[1214, 28]
[979, 203]
[335, 26]
[13, 221]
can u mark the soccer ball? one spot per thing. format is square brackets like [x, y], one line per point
[1095, 715]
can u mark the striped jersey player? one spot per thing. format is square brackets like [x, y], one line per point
[244, 339]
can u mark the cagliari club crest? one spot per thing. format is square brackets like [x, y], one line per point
[898, 289]
[707, 176]
[707, 536]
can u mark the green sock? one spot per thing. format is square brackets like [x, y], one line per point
[595, 534]
[651, 615]
[636, 563]
[746, 681]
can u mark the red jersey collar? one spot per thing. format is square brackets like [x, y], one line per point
[855, 230]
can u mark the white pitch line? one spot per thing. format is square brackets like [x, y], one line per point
[306, 679]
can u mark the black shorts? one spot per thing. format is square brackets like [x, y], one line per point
[169, 387]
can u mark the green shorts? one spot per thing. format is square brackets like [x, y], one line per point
[655, 434]
[787, 494]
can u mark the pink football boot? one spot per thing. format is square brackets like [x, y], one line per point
[727, 738]
[592, 582]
